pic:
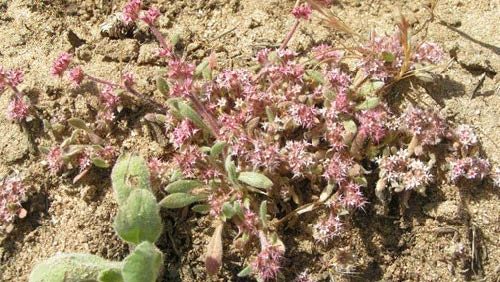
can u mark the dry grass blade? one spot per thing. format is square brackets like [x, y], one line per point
[404, 38]
[330, 19]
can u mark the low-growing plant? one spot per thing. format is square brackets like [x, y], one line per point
[137, 222]
[256, 147]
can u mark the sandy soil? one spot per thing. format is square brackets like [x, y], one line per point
[419, 245]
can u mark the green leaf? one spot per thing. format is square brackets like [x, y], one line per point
[228, 210]
[203, 209]
[369, 104]
[98, 162]
[231, 170]
[162, 85]
[245, 271]
[78, 123]
[139, 218]
[217, 149]
[174, 39]
[143, 264]
[187, 112]
[316, 76]
[255, 179]
[370, 87]
[72, 267]
[388, 57]
[110, 275]
[180, 200]
[350, 126]
[183, 186]
[263, 213]
[200, 68]
[129, 173]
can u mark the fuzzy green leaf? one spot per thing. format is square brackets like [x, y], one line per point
[231, 170]
[200, 68]
[78, 123]
[316, 76]
[255, 179]
[162, 85]
[368, 104]
[388, 57]
[143, 264]
[180, 200]
[129, 173]
[245, 271]
[98, 162]
[110, 275]
[228, 210]
[139, 219]
[203, 209]
[183, 186]
[217, 149]
[263, 213]
[187, 112]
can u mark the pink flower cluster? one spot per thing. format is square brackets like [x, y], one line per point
[401, 172]
[267, 264]
[472, 168]
[325, 230]
[302, 12]
[426, 125]
[12, 193]
[131, 11]
[61, 64]
[18, 109]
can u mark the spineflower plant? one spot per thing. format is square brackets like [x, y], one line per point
[256, 147]
[18, 109]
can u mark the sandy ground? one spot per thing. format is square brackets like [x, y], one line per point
[418, 245]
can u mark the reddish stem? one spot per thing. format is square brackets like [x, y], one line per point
[290, 34]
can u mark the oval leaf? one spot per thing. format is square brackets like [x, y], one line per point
[255, 179]
[143, 264]
[217, 149]
[182, 186]
[139, 219]
[162, 85]
[369, 103]
[179, 200]
[78, 123]
[245, 272]
[203, 209]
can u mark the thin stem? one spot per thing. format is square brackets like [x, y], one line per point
[128, 89]
[159, 37]
[290, 34]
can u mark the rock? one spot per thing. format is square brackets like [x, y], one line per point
[147, 54]
[119, 50]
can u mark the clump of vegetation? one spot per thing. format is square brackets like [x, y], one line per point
[256, 147]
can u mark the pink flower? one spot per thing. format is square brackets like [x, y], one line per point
[352, 197]
[426, 125]
[267, 264]
[128, 80]
[12, 193]
[302, 12]
[325, 230]
[156, 167]
[372, 123]
[60, 64]
[249, 223]
[150, 16]
[55, 160]
[466, 136]
[185, 130]
[263, 56]
[338, 167]
[339, 80]
[18, 109]
[76, 76]
[84, 161]
[430, 52]
[165, 52]
[264, 155]
[334, 135]
[472, 168]
[297, 156]
[187, 159]
[108, 98]
[303, 115]
[179, 69]
[15, 77]
[131, 11]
